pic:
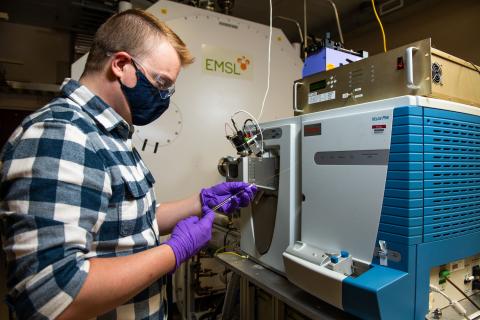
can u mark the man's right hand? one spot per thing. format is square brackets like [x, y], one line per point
[190, 235]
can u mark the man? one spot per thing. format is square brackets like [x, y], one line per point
[80, 225]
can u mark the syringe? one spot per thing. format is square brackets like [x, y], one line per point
[218, 206]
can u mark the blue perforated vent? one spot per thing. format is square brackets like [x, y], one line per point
[433, 182]
[452, 161]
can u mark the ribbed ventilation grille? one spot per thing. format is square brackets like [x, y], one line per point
[433, 182]
[452, 161]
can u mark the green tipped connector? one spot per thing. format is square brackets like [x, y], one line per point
[442, 276]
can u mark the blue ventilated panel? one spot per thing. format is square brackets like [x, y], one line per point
[402, 211]
[433, 176]
[452, 174]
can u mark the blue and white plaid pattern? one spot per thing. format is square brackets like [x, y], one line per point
[74, 189]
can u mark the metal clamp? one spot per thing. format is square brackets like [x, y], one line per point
[409, 66]
[295, 95]
[383, 253]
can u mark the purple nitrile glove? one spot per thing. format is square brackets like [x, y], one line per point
[190, 235]
[213, 196]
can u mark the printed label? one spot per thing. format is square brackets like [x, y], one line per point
[379, 128]
[314, 97]
[226, 63]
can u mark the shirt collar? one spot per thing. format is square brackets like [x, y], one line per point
[100, 111]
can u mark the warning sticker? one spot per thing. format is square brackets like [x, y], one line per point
[315, 97]
[379, 128]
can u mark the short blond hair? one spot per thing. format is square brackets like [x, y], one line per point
[130, 31]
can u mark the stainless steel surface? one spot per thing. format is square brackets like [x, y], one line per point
[295, 97]
[409, 65]
[405, 70]
[271, 224]
[230, 295]
[224, 165]
[366, 80]
[263, 172]
[264, 214]
[460, 79]
[280, 288]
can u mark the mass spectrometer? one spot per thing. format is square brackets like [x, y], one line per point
[270, 224]
[390, 180]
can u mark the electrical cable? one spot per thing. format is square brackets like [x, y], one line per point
[228, 124]
[463, 293]
[247, 129]
[234, 124]
[255, 121]
[381, 26]
[337, 19]
[246, 121]
[296, 23]
[268, 64]
[455, 304]
[235, 254]
[217, 252]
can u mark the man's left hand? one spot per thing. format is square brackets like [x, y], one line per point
[241, 194]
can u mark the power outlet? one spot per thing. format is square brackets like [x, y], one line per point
[457, 265]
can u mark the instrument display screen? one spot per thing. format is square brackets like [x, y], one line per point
[315, 86]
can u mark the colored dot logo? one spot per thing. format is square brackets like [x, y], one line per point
[243, 62]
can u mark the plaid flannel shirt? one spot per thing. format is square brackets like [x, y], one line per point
[75, 189]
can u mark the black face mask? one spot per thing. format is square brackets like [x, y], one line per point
[146, 103]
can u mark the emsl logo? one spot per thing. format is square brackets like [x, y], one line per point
[224, 62]
[227, 67]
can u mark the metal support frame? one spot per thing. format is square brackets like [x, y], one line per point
[233, 286]
[254, 279]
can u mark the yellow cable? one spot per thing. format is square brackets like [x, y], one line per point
[219, 249]
[228, 252]
[381, 26]
[235, 254]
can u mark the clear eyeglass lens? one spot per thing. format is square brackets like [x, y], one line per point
[164, 94]
[165, 87]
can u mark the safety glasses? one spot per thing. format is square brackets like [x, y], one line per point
[165, 86]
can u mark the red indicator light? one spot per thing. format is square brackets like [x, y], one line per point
[400, 64]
